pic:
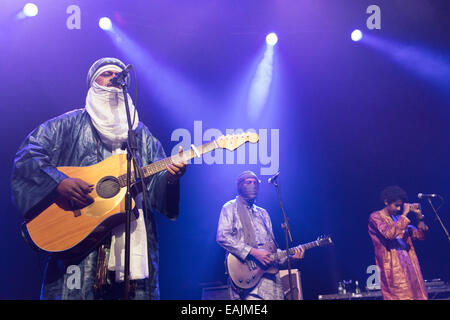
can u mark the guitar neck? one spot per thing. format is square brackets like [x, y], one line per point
[304, 246]
[161, 165]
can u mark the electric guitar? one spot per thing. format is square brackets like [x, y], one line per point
[65, 230]
[245, 274]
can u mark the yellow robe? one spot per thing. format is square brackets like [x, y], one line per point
[395, 256]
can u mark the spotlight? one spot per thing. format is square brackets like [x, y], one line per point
[105, 23]
[30, 10]
[357, 35]
[271, 39]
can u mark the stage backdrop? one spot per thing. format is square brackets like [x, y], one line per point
[339, 119]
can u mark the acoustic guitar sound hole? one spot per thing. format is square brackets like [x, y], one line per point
[108, 187]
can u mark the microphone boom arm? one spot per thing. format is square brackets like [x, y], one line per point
[436, 213]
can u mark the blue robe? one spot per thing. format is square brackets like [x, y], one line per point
[71, 140]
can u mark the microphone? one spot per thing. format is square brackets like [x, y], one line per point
[426, 195]
[118, 78]
[273, 178]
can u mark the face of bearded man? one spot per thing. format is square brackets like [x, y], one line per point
[248, 189]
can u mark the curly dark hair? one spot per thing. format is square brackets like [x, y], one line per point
[392, 194]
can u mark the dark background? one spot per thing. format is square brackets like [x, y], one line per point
[353, 117]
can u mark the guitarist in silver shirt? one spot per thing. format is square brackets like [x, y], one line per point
[245, 231]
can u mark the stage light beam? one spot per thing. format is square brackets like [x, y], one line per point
[105, 23]
[262, 79]
[428, 64]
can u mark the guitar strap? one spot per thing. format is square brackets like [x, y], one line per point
[249, 234]
[243, 213]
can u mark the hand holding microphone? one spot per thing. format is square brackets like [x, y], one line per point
[413, 207]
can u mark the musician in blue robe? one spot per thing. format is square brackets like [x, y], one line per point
[81, 138]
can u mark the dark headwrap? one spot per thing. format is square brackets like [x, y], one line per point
[245, 175]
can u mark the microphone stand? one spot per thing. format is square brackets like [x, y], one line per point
[287, 236]
[131, 152]
[439, 219]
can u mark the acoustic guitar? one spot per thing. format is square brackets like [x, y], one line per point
[245, 274]
[67, 231]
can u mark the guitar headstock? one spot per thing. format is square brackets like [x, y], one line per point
[324, 241]
[234, 141]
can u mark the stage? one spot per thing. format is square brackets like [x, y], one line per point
[329, 100]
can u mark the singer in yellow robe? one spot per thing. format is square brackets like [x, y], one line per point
[395, 256]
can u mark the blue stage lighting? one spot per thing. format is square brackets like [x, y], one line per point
[30, 10]
[105, 23]
[260, 84]
[357, 35]
[271, 39]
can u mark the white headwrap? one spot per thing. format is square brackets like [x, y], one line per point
[106, 107]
